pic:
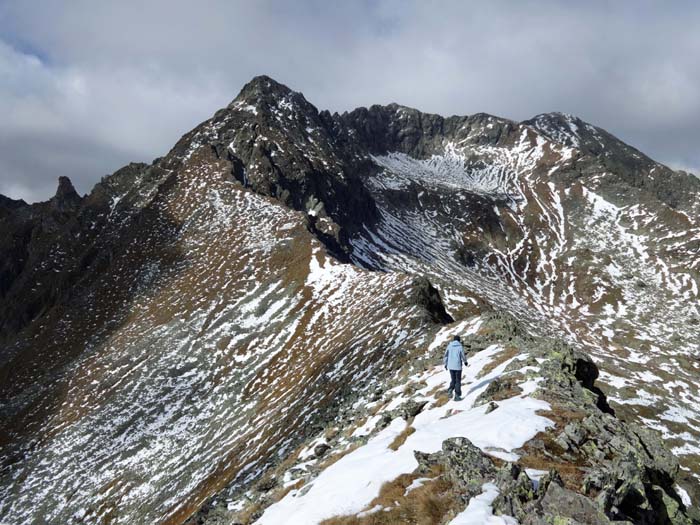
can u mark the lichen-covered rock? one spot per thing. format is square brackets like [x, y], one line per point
[561, 505]
[466, 466]
[516, 491]
[410, 409]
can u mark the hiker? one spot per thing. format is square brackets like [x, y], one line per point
[454, 359]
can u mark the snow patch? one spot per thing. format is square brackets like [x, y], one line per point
[480, 512]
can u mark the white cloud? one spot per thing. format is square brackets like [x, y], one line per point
[84, 123]
[99, 84]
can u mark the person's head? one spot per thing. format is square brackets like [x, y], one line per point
[457, 338]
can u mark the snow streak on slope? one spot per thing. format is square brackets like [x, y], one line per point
[450, 169]
[216, 370]
[424, 238]
[349, 485]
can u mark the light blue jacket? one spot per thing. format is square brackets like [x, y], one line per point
[454, 356]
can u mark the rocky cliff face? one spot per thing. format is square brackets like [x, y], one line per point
[189, 326]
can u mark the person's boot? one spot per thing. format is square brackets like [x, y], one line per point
[449, 392]
[458, 397]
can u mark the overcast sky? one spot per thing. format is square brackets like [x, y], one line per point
[86, 86]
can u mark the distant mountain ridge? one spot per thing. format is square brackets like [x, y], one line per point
[166, 335]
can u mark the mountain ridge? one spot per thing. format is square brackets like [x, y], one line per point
[277, 226]
[263, 85]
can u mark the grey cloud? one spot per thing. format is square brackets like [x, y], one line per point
[99, 84]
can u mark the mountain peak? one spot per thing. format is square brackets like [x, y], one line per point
[272, 100]
[557, 120]
[263, 88]
[265, 84]
[566, 129]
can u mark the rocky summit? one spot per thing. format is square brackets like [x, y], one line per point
[250, 329]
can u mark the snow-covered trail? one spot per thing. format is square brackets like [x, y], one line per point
[349, 485]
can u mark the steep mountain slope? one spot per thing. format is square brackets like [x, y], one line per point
[190, 323]
[216, 335]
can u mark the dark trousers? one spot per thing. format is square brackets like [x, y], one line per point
[456, 382]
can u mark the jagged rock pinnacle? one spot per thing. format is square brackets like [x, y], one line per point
[66, 197]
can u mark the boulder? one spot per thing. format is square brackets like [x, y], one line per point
[321, 449]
